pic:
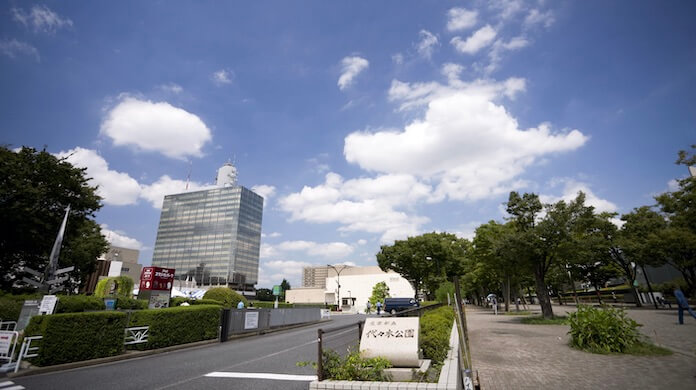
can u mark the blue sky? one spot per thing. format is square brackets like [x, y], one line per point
[360, 122]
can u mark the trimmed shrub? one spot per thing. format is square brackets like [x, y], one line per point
[354, 367]
[227, 296]
[11, 305]
[269, 305]
[602, 330]
[123, 287]
[177, 325]
[177, 301]
[78, 303]
[73, 337]
[435, 329]
[124, 303]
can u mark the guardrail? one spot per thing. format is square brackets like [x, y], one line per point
[27, 350]
[340, 340]
[136, 335]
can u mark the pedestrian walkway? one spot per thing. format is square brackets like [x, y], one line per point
[510, 355]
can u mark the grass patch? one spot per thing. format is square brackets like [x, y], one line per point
[518, 313]
[643, 348]
[539, 320]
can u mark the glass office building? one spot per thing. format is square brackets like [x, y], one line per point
[212, 236]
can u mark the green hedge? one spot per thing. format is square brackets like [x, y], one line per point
[78, 303]
[435, 329]
[227, 296]
[177, 301]
[123, 303]
[11, 305]
[177, 325]
[269, 305]
[73, 337]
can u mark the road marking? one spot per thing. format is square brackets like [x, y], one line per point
[262, 375]
[8, 383]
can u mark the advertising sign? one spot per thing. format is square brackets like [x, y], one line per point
[158, 299]
[277, 290]
[251, 320]
[156, 278]
[48, 304]
[6, 339]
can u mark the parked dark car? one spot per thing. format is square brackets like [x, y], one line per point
[393, 305]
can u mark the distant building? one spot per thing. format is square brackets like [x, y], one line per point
[315, 276]
[212, 236]
[117, 261]
[356, 288]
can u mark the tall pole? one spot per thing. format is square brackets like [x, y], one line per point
[338, 282]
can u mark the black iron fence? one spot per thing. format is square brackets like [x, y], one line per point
[340, 340]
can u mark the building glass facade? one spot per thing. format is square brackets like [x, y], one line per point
[212, 235]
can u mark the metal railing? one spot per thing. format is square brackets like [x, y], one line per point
[10, 326]
[27, 350]
[341, 340]
[136, 335]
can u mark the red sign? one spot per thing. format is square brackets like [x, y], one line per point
[156, 278]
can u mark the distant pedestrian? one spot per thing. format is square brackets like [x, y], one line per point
[368, 307]
[494, 302]
[613, 296]
[379, 307]
[683, 305]
[240, 305]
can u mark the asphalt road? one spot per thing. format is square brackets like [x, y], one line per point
[262, 356]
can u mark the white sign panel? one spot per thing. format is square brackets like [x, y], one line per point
[251, 320]
[6, 339]
[325, 313]
[48, 304]
[395, 339]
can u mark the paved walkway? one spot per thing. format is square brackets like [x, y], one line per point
[511, 355]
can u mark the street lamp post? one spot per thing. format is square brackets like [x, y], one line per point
[338, 281]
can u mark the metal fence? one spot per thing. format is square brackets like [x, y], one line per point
[341, 340]
[238, 321]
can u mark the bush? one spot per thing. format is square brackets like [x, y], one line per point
[11, 305]
[78, 303]
[124, 303]
[353, 367]
[435, 329]
[602, 330]
[225, 295]
[73, 337]
[179, 300]
[442, 292]
[269, 305]
[177, 325]
[123, 285]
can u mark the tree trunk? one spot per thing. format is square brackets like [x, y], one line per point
[507, 295]
[599, 296]
[543, 293]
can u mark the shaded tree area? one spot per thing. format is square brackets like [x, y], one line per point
[35, 189]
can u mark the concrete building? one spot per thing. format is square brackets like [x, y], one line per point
[212, 236]
[315, 276]
[356, 288]
[117, 261]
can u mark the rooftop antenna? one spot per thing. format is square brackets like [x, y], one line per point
[188, 177]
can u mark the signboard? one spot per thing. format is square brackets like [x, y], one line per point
[277, 290]
[325, 313]
[6, 338]
[251, 320]
[48, 304]
[156, 278]
[395, 339]
[110, 303]
[29, 309]
[158, 299]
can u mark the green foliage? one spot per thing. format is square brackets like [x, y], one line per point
[177, 301]
[123, 303]
[227, 296]
[116, 286]
[269, 305]
[284, 286]
[177, 325]
[379, 292]
[11, 305]
[602, 330]
[265, 294]
[435, 329]
[353, 367]
[78, 303]
[445, 289]
[73, 337]
[35, 188]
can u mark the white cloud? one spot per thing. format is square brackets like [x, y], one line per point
[570, 192]
[536, 17]
[672, 185]
[40, 18]
[165, 185]
[467, 142]
[362, 242]
[265, 191]
[158, 127]
[172, 87]
[452, 71]
[271, 235]
[331, 250]
[500, 47]
[14, 48]
[223, 76]
[477, 41]
[507, 8]
[427, 43]
[350, 68]
[461, 19]
[116, 188]
[398, 58]
[118, 238]
[364, 204]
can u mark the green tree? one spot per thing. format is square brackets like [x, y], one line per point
[226, 295]
[35, 189]
[265, 294]
[284, 286]
[426, 260]
[379, 292]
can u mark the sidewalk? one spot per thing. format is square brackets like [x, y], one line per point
[511, 355]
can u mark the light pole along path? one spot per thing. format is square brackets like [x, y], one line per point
[338, 281]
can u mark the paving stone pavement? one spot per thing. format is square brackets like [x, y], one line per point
[510, 355]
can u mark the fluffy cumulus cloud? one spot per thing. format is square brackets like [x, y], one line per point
[571, 188]
[477, 41]
[364, 204]
[40, 19]
[14, 48]
[165, 185]
[466, 142]
[350, 68]
[461, 19]
[428, 42]
[264, 190]
[116, 188]
[156, 127]
[118, 238]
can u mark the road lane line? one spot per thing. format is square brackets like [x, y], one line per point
[262, 375]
